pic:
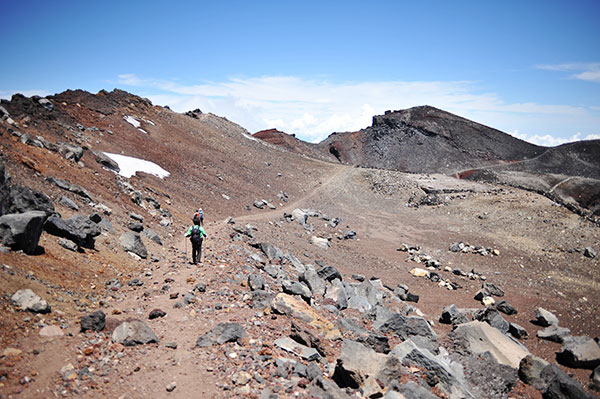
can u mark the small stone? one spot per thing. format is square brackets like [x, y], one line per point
[418, 272]
[171, 387]
[156, 313]
[488, 300]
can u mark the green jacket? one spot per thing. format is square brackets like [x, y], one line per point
[189, 232]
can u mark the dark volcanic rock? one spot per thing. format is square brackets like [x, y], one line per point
[22, 231]
[94, 322]
[426, 140]
[79, 229]
[223, 332]
[329, 273]
[156, 313]
[132, 242]
[25, 199]
[452, 315]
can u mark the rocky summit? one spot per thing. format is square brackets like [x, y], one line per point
[426, 256]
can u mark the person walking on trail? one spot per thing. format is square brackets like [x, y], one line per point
[199, 217]
[196, 233]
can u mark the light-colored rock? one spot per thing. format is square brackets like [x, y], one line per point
[11, 352]
[488, 300]
[418, 272]
[358, 363]
[134, 332]
[479, 337]
[300, 216]
[28, 300]
[544, 317]
[306, 353]
[579, 352]
[51, 331]
[297, 308]
[322, 243]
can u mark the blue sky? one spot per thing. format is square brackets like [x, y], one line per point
[529, 68]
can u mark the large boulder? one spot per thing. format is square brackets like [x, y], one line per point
[24, 199]
[337, 293]
[579, 352]
[545, 318]
[28, 300]
[305, 352]
[329, 273]
[74, 188]
[270, 250]
[134, 332]
[477, 337]
[412, 327]
[356, 364]
[493, 317]
[313, 281]
[79, 228]
[296, 288]
[132, 242]
[446, 375]
[558, 385]
[300, 216]
[298, 309]
[22, 231]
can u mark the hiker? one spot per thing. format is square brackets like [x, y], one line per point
[196, 234]
[199, 217]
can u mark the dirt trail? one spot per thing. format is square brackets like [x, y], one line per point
[290, 206]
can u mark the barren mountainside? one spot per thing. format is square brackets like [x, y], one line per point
[329, 270]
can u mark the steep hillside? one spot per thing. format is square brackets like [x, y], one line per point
[427, 140]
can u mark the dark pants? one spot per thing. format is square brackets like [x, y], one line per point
[197, 252]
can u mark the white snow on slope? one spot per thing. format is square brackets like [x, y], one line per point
[130, 165]
[249, 137]
[132, 120]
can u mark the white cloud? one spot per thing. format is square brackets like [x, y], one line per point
[547, 140]
[313, 109]
[589, 71]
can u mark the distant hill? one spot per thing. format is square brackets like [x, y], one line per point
[293, 144]
[427, 140]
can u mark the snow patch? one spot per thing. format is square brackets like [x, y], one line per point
[142, 130]
[132, 120]
[129, 166]
[150, 122]
[249, 137]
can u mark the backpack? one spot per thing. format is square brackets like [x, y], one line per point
[196, 236]
[198, 216]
